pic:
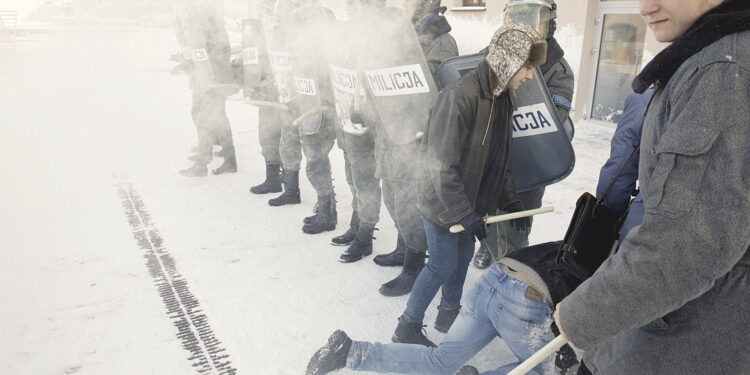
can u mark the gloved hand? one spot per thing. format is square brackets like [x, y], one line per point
[520, 224]
[474, 225]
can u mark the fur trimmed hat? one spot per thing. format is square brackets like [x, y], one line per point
[513, 46]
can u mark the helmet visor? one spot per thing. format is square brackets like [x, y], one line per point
[532, 14]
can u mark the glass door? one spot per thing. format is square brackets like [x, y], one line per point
[618, 58]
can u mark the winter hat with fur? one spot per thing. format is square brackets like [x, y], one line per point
[513, 46]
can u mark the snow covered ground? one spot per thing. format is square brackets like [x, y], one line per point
[84, 115]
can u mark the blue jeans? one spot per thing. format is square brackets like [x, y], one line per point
[450, 255]
[495, 306]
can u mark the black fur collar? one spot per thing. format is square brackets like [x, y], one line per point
[732, 16]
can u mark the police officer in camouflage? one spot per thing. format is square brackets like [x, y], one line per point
[506, 237]
[358, 144]
[204, 20]
[396, 165]
[314, 136]
[270, 120]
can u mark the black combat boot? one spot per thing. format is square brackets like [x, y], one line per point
[394, 258]
[362, 245]
[325, 217]
[230, 161]
[468, 370]
[332, 356]
[483, 258]
[272, 184]
[410, 333]
[199, 169]
[347, 238]
[445, 319]
[309, 219]
[291, 190]
[402, 284]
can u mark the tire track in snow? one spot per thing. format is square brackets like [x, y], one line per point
[206, 354]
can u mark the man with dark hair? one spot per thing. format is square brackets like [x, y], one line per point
[506, 237]
[674, 298]
[466, 148]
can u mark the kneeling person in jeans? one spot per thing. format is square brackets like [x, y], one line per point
[513, 299]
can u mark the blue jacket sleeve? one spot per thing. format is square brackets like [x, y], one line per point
[626, 138]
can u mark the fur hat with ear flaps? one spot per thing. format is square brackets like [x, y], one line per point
[513, 46]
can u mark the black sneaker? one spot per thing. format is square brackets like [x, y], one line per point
[445, 319]
[468, 370]
[411, 333]
[332, 356]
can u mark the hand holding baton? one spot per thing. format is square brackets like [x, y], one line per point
[513, 215]
[540, 356]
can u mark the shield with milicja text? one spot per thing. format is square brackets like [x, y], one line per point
[395, 74]
[541, 152]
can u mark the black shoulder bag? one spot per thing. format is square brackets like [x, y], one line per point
[592, 232]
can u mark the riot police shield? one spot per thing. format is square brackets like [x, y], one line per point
[252, 46]
[345, 80]
[278, 57]
[399, 85]
[194, 47]
[306, 35]
[541, 151]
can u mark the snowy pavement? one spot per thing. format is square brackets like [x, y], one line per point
[88, 115]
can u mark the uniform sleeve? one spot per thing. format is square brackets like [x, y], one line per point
[445, 48]
[447, 133]
[560, 82]
[696, 226]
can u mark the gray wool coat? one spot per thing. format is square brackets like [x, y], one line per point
[675, 299]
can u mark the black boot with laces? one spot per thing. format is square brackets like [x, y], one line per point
[411, 333]
[291, 190]
[395, 258]
[272, 184]
[348, 237]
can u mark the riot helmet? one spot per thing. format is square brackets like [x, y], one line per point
[416, 9]
[535, 13]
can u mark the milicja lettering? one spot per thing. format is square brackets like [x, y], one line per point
[343, 79]
[280, 59]
[395, 81]
[530, 120]
[305, 86]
